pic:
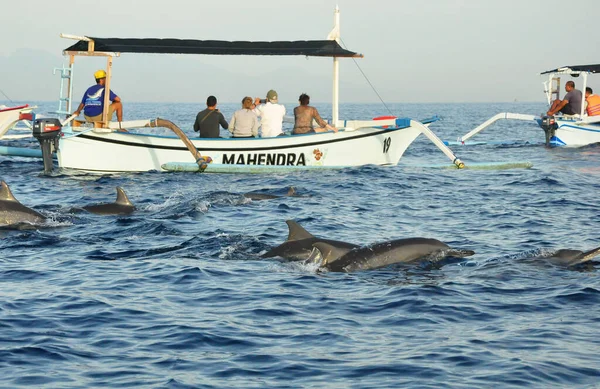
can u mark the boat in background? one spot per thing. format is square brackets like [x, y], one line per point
[16, 123]
[11, 116]
[560, 130]
[108, 148]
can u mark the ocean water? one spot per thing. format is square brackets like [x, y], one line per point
[177, 296]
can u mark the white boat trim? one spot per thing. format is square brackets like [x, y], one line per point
[102, 152]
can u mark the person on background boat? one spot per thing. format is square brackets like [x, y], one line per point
[92, 102]
[208, 121]
[304, 115]
[271, 115]
[244, 123]
[570, 104]
[593, 102]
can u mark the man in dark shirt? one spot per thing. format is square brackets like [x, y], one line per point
[570, 105]
[207, 121]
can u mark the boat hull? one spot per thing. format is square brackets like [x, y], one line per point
[128, 152]
[575, 134]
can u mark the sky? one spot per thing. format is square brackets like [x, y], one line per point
[414, 51]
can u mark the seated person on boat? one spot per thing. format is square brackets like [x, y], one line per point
[207, 121]
[92, 102]
[570, 104]
[271, 115]
[593, 102]
[244, 123]
[304, 115]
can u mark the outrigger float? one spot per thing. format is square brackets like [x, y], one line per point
[107, 149]
[560, 130]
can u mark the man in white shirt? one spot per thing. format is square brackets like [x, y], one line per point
[271, 115]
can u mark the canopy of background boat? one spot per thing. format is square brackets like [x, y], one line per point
[313, 48]
[575, 69]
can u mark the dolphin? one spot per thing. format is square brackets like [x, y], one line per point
[121, 206]
[13, 213]
[410, 250]
[265, 196]
[570, 258]
[299, 244]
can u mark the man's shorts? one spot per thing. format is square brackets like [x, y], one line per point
[98, 118]
[567, 110]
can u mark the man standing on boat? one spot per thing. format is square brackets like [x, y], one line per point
[271, 115]
[207, 121]
[570, 105]
[92, 102]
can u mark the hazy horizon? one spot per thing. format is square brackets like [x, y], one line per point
[439, 51]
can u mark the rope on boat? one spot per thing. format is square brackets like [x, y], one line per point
[368, 81]
[9, 99]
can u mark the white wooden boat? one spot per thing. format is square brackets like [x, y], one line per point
[359, 142]
[560, 130]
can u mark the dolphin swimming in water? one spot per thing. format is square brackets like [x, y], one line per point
[266, 196]
[13, 214]
[299, 244]
[410, 250]
[122, 206]
[569, 258]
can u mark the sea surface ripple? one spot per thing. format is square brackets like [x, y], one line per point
[177, 296]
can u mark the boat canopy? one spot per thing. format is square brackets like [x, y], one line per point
[314, 48]
[575, 69]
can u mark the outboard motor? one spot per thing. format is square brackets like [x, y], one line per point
[47, 132]
[549, 125]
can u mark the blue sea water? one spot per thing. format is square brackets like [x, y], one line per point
[177, 296]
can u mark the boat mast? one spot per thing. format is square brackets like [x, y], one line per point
[585, 75]
[336, 68]
[106, 103]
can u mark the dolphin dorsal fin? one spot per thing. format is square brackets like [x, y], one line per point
[297, 232]
[329, 252]
[590, 254]
[122, 197]
[5, 193]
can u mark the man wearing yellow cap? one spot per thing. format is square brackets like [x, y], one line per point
[92, 102]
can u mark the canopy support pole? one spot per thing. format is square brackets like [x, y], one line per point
[585, 75]
[70, 84]
[336, 71]
[107, 91]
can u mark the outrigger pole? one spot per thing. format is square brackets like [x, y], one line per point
[493, 119]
